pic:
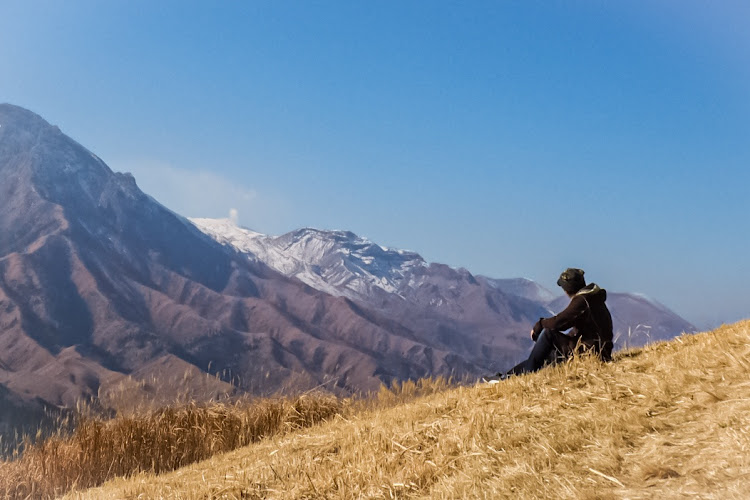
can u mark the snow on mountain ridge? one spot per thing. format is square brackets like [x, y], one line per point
[337, 262]
[343, 264]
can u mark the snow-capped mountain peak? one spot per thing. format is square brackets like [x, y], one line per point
[337, 262]
[227, 232]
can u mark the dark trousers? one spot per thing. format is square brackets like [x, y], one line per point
[550, 347]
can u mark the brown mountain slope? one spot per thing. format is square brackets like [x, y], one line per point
[97, 281]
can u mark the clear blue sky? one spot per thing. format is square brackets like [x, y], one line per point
[513, 138]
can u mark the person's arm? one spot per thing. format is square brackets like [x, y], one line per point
[563, 320]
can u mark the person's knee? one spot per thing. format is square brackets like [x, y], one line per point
[547, 335]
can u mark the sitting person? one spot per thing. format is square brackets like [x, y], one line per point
[586, 316]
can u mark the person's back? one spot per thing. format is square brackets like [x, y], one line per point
[595, 324]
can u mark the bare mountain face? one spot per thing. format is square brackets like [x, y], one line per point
[105, 292]
[447, 308]
[485, 319]
[101, 286]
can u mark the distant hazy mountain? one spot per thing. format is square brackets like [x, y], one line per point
[522, 287]
[639, 319]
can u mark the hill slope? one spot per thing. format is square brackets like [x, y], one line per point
[670, 420]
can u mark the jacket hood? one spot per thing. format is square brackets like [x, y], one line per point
[592, 290]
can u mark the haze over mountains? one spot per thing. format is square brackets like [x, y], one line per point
[101, 286]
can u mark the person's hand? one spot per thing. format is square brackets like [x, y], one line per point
[536, 330]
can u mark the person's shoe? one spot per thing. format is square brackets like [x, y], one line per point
[492, 379]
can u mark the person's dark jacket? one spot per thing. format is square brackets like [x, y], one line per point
[589, 318]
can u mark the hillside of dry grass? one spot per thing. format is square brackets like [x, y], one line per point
[670, 420]
[156, 441]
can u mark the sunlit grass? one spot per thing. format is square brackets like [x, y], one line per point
[669, 420]
[158, 441]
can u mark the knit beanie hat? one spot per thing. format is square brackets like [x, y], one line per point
[571, 280]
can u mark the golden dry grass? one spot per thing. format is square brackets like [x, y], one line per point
[157, 441]
[671, 420]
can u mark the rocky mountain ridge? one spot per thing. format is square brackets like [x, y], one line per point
[344, 264]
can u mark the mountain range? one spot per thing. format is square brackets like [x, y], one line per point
[343, 264]
[104, 291]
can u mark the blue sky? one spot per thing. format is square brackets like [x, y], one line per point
[511, 138]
